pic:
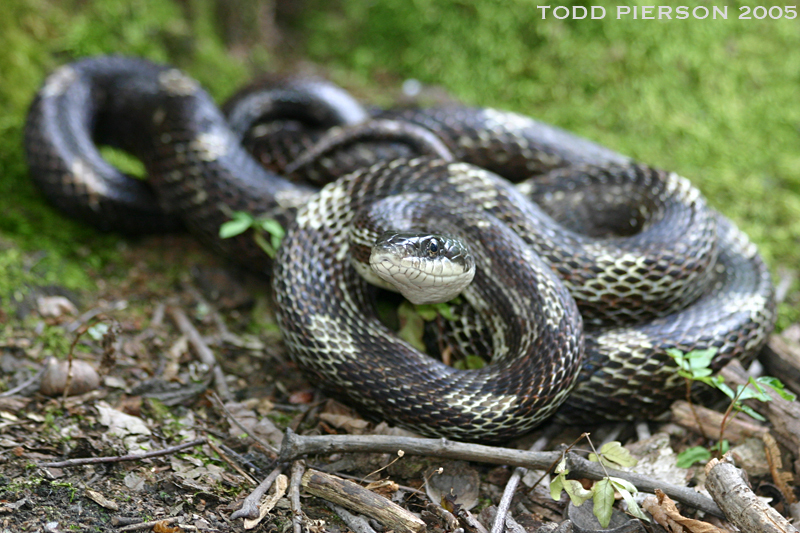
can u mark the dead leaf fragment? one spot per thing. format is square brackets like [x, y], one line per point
[666, 514]
[352, 425]
[165, 527]
[101, 500]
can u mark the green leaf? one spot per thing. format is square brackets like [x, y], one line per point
[721, 446]
[690, 456]
[614, 455]
[623, 484]
[603, 495]
[240, 223]
[426, 311]
[272, 227]
[776, 385]
[470, 362]
[633, 507]
[97, 331]
[445, 310]
[412, 326]
[556, 485]
[577, 494]
[700, 359]
[264, 245]
[746, 409]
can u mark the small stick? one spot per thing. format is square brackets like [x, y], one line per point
[120, 458]
[358, 524]
[231, 463]
[201, 349]
[742, 507]
[498, 526]
[354, 496]
[298, 469]
[250, 505]
[295, 445]
[148, 525]
[25, 385]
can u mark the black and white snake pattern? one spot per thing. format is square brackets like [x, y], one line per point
[589, 268]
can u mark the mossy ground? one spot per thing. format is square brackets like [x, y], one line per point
[715, 100]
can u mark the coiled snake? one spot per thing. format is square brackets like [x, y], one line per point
[637, 250]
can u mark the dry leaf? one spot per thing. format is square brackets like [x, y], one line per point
[352, 425]
[782, 480]
[164, 527]
[666, 514]
[101, 500]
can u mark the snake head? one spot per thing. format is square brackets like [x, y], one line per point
[425, 268]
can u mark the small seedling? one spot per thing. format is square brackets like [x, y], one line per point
[261, 226]
[611, 455]
[695, 366]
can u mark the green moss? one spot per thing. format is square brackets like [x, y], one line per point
[35, 37]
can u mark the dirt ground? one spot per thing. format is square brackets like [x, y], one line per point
[154, 393]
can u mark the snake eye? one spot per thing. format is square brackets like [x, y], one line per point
[433, 247]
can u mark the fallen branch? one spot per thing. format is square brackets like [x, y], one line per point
[355, 497]
[295, 445]
[298, 469]
[251, 505]
[358, 524]
[742, 507]
[120, 458]
[736, 430]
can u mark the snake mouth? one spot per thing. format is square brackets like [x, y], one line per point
[425, 268]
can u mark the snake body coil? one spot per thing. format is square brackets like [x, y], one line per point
[648, 264]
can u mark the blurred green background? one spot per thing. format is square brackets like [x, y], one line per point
[715, 100]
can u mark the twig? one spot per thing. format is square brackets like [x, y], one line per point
[358, 524]
[742, 507]
[148, 525]
[298, 469]
[267, 446]
[498, 526]
[250, 505]
[231, 463]
[25, 385]
[201, 349]
[119, 305]
[295, 445]
[354, 496]
[120, 458]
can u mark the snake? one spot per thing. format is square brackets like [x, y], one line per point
[585, 268]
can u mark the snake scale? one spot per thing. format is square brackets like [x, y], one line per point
[588, 267]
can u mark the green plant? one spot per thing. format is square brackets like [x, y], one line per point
[261, 226]
[694, 366]
[612, 455]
